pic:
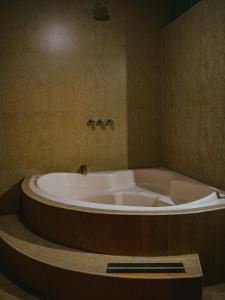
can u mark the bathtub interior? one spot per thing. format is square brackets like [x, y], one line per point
[128, 188]
[143, 199]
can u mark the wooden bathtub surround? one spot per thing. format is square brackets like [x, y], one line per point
[117, 233]
[64, 273]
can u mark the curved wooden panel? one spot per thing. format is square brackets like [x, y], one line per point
[59, 283]
[139, 235]
[61, 273]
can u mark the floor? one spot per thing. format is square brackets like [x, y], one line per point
[9, 291]
[215, 292]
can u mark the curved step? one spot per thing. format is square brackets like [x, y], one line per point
[138, 234]
[64, 273]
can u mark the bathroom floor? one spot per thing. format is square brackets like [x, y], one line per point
[9, 291]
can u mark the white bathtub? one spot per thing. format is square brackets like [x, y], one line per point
[128, 190]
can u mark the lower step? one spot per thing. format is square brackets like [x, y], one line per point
[63, 273]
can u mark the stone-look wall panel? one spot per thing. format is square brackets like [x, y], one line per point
[143, 82]
[58, 67]
[193, 102]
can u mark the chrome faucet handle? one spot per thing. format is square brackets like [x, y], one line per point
[101, 122]
[91, 121]
[110, 122]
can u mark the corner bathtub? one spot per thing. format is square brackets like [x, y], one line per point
[150, 212]
[145, 190]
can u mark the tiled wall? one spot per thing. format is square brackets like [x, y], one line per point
[193, 111]
[58, 66]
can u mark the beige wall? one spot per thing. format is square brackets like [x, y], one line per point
[58, 67]
[143, 82]
[193, 110]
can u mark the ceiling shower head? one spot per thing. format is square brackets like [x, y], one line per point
[101, 12]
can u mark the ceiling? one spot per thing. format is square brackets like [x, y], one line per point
[178, 7]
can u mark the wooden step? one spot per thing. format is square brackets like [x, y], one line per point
[64, 273]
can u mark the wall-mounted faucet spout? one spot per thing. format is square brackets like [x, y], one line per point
[218, 194]
[82, 169]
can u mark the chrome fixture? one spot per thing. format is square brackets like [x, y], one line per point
[218, 195]
[82, 169]
[110, 122]
[101, 122]
[91, 121]
[101, 12]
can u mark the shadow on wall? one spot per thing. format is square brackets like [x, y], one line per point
[11, 199]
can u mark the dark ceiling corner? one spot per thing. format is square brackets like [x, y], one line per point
[178, 7]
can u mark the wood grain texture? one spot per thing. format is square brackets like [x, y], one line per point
[65, 273]
[58, 283]
[134, 235]
[193, 102]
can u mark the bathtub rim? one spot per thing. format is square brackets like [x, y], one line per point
[72, 207]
